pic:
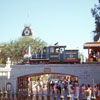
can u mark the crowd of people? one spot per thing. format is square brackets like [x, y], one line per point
[74, 90]
[68, 88]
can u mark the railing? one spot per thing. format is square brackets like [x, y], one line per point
[30, 96]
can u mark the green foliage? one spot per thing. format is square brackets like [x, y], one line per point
[15, 49]
[33, 79]
[0, 61]
[80, 55]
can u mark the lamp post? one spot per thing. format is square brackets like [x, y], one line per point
[48, 95]
[5, 92]
[68, 96]
[31, 91]
[93, 97]
[61, 97]
[42, 93]
[76, 98]
[55, 97]
[37, 95]
[1, 94]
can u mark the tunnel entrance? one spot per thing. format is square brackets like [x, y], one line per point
[34, 82]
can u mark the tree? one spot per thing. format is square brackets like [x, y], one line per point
[96, 14]
[15, 49]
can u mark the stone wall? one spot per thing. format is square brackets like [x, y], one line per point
[84, 72]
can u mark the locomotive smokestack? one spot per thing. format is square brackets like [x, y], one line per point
[56, 43]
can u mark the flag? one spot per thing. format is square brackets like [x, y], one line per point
[29, 50]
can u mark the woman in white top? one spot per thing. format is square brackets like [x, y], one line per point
[94, 90]
[77, 90]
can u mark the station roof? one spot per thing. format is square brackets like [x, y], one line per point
[92, 45]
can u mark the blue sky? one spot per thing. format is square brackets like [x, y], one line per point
[68, 22]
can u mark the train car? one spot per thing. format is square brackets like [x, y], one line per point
[40, 57]
[71, 56]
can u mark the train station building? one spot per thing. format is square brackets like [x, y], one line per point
[93, 51]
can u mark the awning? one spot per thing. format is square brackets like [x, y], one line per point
[92, 45]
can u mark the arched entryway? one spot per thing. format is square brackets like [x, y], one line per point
[25, 83]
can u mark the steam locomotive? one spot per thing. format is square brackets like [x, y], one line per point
[55, 54]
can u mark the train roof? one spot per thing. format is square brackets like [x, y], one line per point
[57, 46]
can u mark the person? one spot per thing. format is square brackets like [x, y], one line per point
[48, 85]
[98, 93]
[94, 90]
[83, 88]
[61, 51]
[88, 93]
[72, 92]
[39, 52]
[77, 90]
[25, 51]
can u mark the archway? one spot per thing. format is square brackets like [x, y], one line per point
[26, 83]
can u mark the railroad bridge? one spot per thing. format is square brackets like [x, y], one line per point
[85, 72]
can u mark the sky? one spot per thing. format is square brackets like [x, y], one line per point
[68, 22]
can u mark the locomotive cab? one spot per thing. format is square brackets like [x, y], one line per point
[56, 53]
[46, 53]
